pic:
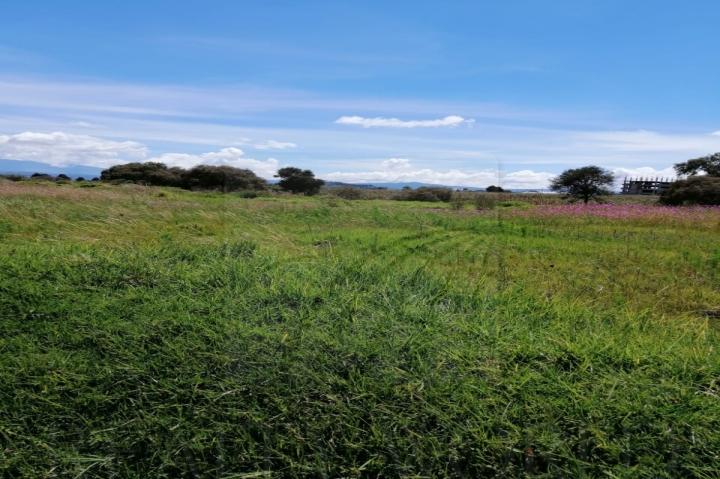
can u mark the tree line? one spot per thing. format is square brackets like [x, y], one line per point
[210, 177]
[588, 183]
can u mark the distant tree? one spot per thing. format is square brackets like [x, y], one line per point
[224, 178]
[42, 176]
[586, 183]
[80, 178]
[12, 177]
[495, 189]
[63, 177]
[695, 190]
[144, 173]
[709, 164]
[95, 178]
[297, 181]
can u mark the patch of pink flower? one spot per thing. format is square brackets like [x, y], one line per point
[625, 211]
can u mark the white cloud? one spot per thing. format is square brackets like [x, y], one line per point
[227, 156]
[395, 164]
[274, 145]
[715, 133]
[62, 149]
[401, 170]
[644, 171]
[644, 141]
[380, 122]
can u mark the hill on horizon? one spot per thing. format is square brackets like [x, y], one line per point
[27, 168]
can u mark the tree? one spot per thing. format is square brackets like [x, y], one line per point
[209, 177]
[696, 190]
[495, 189]
[224, 178]
[709, 164]
[149, 173]
[42, 176]
[586, 183]
[296, 181]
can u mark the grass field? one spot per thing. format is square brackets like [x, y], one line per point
[163, 333]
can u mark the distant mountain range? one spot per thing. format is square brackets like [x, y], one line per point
[27, 168]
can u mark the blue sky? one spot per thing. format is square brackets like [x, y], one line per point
[462, 93]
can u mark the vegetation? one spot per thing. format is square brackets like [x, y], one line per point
[586, 183]
[709, 165]
[299, 181]
[148, 332]
[695, 190]
[495, 189]
[425, 193]
[485, 202]
[206, 177]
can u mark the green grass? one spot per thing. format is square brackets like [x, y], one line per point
[161, 333]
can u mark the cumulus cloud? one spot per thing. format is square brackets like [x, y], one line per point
[644, 171]
[227, 156]
[395, 164]
[401, 170]
[380, 122]
[274, 145]
[61, 149]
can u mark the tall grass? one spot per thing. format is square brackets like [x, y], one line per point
[201, 335]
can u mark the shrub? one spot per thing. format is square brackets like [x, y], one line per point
[457, 202]
[485, 202]
[348, 193]
[247, 194]
[42, 177]
[696, 190]
[426, 193]
[12, 177]
[495, 189]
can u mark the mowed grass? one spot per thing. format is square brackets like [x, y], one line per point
[162, 333]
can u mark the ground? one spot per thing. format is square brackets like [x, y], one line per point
[150, 332]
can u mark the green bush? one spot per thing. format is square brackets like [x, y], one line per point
[457, 202]
[485, 202]
[696, 190]
[12, 177]
[426, 193]
[348, 193]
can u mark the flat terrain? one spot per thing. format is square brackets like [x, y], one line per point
[152, 332]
